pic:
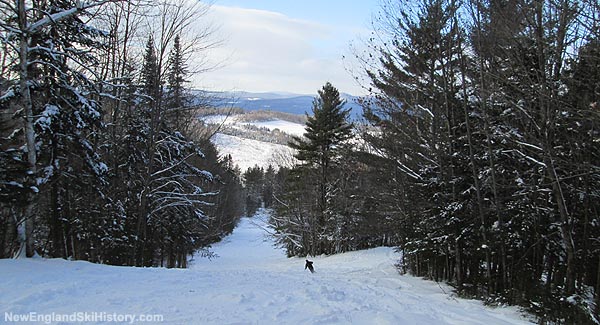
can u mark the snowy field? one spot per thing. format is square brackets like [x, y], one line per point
[220, 119]
[250, 282]
[284, 126]
[235, 121]
[247, 153]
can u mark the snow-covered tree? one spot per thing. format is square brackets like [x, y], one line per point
[478, 120]
[51, 90]
[72, 97]
[416, 116]
[319, 152]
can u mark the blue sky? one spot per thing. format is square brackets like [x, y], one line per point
[291, 46]
[346, 12]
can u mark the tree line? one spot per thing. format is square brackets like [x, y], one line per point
[479, 157]
[101, 157]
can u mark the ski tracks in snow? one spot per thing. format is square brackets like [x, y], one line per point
[361, 287]
[251, 282]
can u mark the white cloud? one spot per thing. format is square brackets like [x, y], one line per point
[268, 51]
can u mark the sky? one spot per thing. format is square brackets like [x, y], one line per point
[286, 45]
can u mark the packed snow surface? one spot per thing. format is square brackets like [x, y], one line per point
[251, 282]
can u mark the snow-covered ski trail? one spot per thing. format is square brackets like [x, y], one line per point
[251, 282]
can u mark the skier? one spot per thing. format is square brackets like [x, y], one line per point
[309, 265]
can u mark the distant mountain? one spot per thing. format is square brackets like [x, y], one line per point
[282, 102]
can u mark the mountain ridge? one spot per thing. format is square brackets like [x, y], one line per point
[277, 101]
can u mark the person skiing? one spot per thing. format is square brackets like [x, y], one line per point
[309, 265]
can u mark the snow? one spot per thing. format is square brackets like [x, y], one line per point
[9, 94]
[247, 153]
[53, 18]
[99, 167]
[17, 184]
[283, 126]
[219, 119]
[237, 121]
[251, 282]
[45, 119]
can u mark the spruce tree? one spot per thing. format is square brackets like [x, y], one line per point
[176, 74]
[150, 74]
[326, 130]
[68, 101]
[253, 183]
[415, 133]
[176, 99]
[487, 142]
[320, 152]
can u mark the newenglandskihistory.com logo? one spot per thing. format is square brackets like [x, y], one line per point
[81, 317]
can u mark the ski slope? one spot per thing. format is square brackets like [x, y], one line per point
[236, 121]
[248, 153]
[251, 282]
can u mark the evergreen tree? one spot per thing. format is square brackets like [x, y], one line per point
[176, 74]
[327, 129]
[320, 153]
[416, 135]
[485, 140]
[268, 187]
[69, 100]
[176, 98]
[150, 73]
[253, 184]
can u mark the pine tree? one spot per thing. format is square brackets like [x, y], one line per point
[253, 184]
[327, 129]
[580, 126]
[487, 143]
[416, 135]
[268, 186]
[177, 72]
[320, 152]
[177, 101]
[154, 202]
[150, 73]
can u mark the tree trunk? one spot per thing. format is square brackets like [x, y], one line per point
[480, 207]
[56, 229]
[458, 271]
[597, 298]
[25, 225]
[565, 227]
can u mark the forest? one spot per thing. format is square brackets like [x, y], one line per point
[477, 154]
[478, 158]
[101, 156]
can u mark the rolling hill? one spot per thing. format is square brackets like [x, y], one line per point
[281, 102]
